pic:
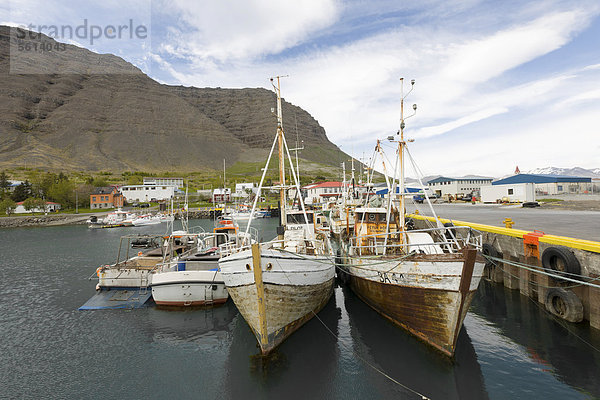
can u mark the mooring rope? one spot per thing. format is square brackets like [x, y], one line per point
[536, 269]
[423, 397]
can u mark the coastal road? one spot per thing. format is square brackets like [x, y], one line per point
[575, 224]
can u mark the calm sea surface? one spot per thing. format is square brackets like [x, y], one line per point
[509, 348]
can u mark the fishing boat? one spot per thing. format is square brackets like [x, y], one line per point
[193, 279]
[421, 279]
[114, 219]
[146, 219]
[279, 285]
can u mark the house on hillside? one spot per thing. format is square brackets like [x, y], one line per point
[243, 190]
[106, 197]
[50, 207]
[321, 192]
[13, 185]
[221, 195]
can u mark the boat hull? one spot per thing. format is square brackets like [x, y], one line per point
[427, 298]
[188, 288]
[295, 289]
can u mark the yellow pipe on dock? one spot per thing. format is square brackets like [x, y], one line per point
[580, 244]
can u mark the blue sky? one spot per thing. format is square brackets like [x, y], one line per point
[498, 83]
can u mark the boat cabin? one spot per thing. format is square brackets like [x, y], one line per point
[295, 221]
[226, 230]
[371, 227]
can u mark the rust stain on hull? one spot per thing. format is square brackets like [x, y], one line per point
[426, 313]
[433, 315]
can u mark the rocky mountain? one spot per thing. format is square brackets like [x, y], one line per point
[575, 171]
[72, 109]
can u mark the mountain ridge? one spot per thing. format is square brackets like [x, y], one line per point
[100, 113]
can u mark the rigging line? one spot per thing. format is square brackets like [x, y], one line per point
[539, 271]
[418, 172]
[423, 397]
[537, 283]
[494, 259]
[517, 277]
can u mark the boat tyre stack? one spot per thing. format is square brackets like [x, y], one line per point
[564, 304]
[560, 260]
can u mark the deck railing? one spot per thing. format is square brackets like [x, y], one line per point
[450, 239]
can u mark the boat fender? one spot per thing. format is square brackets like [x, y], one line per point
[564, 304]
[560, 259]
[489, 250]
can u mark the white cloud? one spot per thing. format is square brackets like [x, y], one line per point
[231, 30]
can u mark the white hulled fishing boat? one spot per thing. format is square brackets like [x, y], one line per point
[281, 284]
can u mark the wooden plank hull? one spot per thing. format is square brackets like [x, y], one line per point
[287, 309]
[295, 289]
[430, 306]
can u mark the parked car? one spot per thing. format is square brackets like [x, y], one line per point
[418, 198]
[144, 205]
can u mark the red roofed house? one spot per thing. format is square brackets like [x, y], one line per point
[321, 192]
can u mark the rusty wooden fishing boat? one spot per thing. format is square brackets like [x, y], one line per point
[281, 284]
[422, 280]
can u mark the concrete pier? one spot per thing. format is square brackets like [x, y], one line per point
[526, 247]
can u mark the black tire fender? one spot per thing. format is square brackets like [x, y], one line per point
[560, 259]
[489, 250]
[564, 304]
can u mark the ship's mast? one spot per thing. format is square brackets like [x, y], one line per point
[401, 146]
[282, 201]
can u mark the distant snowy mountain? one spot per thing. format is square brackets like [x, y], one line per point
[576, 171]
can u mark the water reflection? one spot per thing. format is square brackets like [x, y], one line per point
[192, 325]
[303, 366]
[410, 361]
[556, 349]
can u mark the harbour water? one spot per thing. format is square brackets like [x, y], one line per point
[509, 348]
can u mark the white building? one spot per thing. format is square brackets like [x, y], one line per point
[551, 184]
[241, 190]
[458, 187]
[510, 192]
[147, 192]
[50, 207]
[177, 182]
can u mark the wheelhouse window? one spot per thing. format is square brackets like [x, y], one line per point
[299, 218]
